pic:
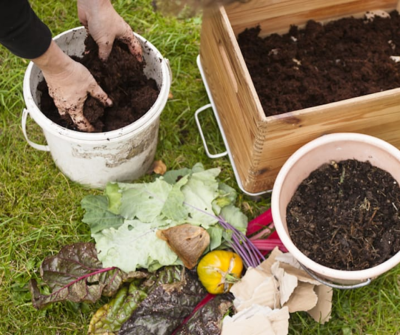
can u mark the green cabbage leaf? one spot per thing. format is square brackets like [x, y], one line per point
[125, 219]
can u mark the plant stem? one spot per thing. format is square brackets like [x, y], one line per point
[269, 244]
[206, 299]
[231, 278]
[261, 221]
[262, 233]
[84, 277]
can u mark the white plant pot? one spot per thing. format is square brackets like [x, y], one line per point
[333, 147]
[94, 159]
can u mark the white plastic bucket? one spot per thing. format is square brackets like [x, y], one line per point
[337, 147]
[94, 159]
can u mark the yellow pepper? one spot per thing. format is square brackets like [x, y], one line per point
[219, 270]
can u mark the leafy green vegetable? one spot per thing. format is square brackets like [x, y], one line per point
[111, 316]
[98, 216]
[76, 274]
[144, 201]
[114, 197]
[166, 306]
[215, 233]
[125, 219]
[235, 217]
[171, 177]
[227, 196]
[134, 245]
[208, 319]
[174, 207]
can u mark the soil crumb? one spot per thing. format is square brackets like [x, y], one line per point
[121, 77]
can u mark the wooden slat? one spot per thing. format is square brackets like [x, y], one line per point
[277, 16]
[376, 114]
[231, 87]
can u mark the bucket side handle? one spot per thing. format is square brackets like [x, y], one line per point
[341, 287]
[196, 116]
[32, 144]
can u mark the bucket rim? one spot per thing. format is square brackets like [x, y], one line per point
[357, 275]
[54, 128]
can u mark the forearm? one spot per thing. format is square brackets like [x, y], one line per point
[21, 31]
[54, 61]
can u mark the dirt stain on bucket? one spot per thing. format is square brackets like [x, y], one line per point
[121, 154]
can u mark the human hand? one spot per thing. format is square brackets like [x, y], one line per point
[69, 84]
[105, 25]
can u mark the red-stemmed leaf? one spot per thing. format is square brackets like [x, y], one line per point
[76, 274]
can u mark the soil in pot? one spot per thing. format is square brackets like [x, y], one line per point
[321, 64]
[121, 77]
[345, 216]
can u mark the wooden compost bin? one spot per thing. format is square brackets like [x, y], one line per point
[260, 145]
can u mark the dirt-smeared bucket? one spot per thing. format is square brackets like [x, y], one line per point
[94, 159]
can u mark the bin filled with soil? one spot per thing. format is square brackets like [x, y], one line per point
[296, 71]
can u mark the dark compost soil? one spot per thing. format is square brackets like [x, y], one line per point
[345, 215]
[320, 64]
[121, 77]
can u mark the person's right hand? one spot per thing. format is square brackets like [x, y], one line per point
[105, 25]
[69, 84]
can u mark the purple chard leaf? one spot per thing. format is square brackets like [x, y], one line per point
[76, 274]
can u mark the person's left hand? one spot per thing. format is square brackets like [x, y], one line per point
[105, 25]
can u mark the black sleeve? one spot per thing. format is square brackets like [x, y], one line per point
[21, 31]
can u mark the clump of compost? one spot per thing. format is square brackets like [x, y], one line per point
[121, 77]
[345, 215]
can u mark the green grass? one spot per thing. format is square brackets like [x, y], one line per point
[40, 208]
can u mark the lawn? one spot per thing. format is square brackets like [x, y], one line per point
[40, 208]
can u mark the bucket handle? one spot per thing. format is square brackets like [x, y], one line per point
[342, 287]
[32, 144]
[196, 116]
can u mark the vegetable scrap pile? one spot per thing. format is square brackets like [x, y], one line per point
[126, 219]
[170, 255]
